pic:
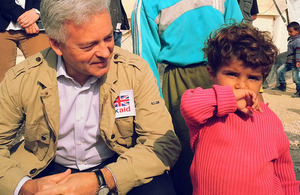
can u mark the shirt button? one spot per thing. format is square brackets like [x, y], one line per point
[79, 143]
[43, 138]
[38, 59]
[116, 56]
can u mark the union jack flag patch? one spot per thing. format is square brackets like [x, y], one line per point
[124, 104]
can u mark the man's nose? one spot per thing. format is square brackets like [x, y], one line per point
[103, 50]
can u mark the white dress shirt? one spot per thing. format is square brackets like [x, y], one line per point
[79, 143]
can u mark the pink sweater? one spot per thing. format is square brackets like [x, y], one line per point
[235, 153]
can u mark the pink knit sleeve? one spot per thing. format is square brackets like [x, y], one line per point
[198, 105]
[225, 100]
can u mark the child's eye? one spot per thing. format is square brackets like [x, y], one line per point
[233, 74]
[256, 78]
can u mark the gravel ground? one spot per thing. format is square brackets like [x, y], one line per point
[288, 110]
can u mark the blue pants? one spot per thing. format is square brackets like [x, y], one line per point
[295, 71]
[118, 38]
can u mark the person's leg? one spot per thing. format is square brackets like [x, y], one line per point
[8, 51]
[296, 80]
[32, 44]
[281, 77]
[176, 81]
[118, 38]
[160, 185]
[281, 73]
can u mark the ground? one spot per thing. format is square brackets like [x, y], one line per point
[288, 110]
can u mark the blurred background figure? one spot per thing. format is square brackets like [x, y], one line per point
[19, 28]
[119, 20]
[249, 9]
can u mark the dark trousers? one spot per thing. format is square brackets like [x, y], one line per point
[176, 81]
[160, 185]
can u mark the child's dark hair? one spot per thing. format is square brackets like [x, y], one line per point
[240, 42]
[294, 25]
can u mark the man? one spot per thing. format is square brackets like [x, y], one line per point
[172, 34]
[94, 119]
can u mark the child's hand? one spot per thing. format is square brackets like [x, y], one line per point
[247, 101]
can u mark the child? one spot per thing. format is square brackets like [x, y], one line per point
[239, 143]
[293, 59]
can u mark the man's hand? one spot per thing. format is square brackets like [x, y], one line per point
[298, 64]
[32, 29]
[78, 183]
[28, 18]
[247, 101]
[36, 185]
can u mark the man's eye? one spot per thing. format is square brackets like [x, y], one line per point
[88, 47]
[109, 38]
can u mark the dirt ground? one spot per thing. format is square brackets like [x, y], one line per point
[288, 110]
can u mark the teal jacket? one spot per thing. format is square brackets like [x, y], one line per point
[174, 31]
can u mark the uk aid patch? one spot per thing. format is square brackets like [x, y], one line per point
[124, 104]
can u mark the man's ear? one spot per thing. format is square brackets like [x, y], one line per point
[55, 46]
[211, 73]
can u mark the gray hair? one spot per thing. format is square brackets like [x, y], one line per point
[56, 13]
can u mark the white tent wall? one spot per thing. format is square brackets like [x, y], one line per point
[294, 10]
[126, 38]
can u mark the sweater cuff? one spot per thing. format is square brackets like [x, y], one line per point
[226, 102]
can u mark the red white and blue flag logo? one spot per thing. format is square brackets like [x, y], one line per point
[124, 104]
[122, 100]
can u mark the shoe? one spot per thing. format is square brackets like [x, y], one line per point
[281, 87]
[296, 95]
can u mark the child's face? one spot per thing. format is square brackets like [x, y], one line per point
[292, 32]
[238, 77]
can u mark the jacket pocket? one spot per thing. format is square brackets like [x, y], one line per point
[125, 128]
[37, 139]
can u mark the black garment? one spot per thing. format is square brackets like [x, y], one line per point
[254, 9]
[10, 11]
[248, 8]
[118, 15]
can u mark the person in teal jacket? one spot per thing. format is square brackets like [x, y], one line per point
[171, 34]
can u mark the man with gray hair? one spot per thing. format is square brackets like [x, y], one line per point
[93, 118]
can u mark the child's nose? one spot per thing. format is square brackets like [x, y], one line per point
[241, 85]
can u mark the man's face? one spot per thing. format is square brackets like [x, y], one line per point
[88, 48]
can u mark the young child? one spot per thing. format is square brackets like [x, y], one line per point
[293, 59]
[239, 143]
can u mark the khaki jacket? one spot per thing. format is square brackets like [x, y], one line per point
[146, 142]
